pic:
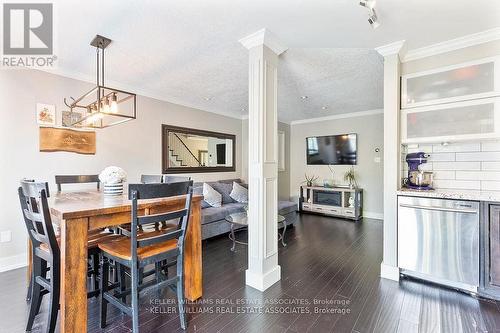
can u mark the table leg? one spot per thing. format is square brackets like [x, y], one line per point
[283, 234]
[193, 282]
[73, 299]
[233, 237]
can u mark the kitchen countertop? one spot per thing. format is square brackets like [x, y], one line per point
[453, 194]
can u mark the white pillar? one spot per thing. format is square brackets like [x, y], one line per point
[263, 269]
[392, 147]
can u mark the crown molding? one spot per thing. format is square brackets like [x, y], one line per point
[75, 75]
[391, 49]
[453, 44]
[338, 116]
[263, 37]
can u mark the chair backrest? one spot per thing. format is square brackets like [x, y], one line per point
[151, 179]
[175, 179]
[76, 179]
[138, 192]
[33, 198]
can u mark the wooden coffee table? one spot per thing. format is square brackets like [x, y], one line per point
[241, 220]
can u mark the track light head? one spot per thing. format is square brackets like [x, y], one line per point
[370, 4]
[373, 19]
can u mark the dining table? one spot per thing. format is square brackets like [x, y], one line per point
[77, 213]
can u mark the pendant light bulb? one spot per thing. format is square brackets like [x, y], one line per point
[105, 107]
[114, 104]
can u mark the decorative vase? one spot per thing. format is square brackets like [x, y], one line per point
[351, 202]
[113, 189]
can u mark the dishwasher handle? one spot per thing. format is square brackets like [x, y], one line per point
[441, 209]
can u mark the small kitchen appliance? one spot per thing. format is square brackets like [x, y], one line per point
[418, 179]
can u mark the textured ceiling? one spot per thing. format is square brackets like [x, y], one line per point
[187, 51]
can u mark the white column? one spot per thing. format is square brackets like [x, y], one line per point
[263, 269]
[392, 147]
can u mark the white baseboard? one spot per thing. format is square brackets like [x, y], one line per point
[13, 262]
[389, 272]
[262, 281]
[372, 215]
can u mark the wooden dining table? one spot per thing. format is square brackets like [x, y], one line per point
[77, 213]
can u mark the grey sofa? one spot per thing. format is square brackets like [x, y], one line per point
[213, 221]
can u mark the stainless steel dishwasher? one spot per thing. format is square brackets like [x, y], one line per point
[438, 241]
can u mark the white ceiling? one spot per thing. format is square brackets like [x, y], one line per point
[187, 51]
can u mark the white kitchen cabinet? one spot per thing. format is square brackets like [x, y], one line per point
[467, 120]
[465, 81]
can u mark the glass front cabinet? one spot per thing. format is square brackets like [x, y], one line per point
[460, 102]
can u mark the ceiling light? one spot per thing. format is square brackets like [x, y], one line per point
[370, 4]
[373, 19]
[207, 98]
[102, 106]
[304, 97]
[324, 107]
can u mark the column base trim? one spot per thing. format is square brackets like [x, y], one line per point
[262, 281]
[389, 272]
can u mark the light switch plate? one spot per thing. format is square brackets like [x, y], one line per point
[376, 159]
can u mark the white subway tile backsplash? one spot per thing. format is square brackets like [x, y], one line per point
[478, 175]
[456, 166]
[456, 147]
[490, 166]
[490, 186]
[461, 166]
[458, 184]
[479, 156]
[442, 157]
[444, 175]
[490, 146]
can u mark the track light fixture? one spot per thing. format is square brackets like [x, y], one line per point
[372, 14]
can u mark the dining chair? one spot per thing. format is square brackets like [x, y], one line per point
[141, 249]
[45, 251]
[175, 179]
[151, 179]
[76, 179]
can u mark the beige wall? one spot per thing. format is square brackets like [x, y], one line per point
[369, 174]
[134, 146]
[283, 176]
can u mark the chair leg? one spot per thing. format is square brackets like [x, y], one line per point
[104, 288]
[120, 270]
[180, 290]
[36, 293]
[30, 289]
[55, 283]
[135, 298]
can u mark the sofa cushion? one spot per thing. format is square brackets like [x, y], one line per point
[285, 207]
[198, 190]
[239, 193]
[213, 214]
[225, 190]
[212, 196]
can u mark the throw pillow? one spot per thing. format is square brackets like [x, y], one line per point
[239, 193]
[199, 190]
[211, 196]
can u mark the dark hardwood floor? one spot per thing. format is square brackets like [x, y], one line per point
[332, 262]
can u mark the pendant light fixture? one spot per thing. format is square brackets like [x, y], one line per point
[102, 106]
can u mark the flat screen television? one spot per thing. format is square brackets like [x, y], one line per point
[332, 149]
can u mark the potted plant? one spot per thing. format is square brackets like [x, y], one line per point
[310, 180]
[112, 179]
[350, 177]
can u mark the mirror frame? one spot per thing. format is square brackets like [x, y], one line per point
[166, 169]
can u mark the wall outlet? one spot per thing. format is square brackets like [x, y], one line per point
[376, 159]
[5, 236]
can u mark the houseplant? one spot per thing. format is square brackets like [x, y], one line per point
[113, 178]
[350, 177]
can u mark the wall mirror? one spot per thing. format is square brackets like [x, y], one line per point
[188, 150]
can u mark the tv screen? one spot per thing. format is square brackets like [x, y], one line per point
[332, 149]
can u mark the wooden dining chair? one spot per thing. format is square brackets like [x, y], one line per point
[142, 249]
[151, 179]
[76, 179]
[45, 251]
[175, 179]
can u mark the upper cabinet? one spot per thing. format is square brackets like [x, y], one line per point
[460, 102]
[471, 80]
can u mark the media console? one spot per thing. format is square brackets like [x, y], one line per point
[332, 201]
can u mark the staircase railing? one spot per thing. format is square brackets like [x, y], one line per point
[181, 151]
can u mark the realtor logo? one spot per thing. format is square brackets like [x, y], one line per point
[28, 30]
